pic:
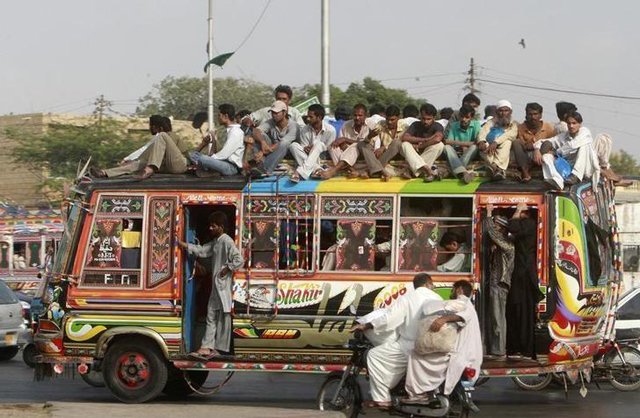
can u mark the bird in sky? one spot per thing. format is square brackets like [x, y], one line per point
[522, 43]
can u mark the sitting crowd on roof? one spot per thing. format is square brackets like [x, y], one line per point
[255, 144]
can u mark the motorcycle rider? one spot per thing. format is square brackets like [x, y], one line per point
[387, 363]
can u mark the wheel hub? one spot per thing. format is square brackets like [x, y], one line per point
[133, 370]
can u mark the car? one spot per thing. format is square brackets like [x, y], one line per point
[12, 323]
[628, 316]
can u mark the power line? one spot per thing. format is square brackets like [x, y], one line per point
[255, 25]
[583, 93]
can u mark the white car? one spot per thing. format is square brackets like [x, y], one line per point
[12, 325]
[628, 316]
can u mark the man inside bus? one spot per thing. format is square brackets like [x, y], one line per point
[314, 139]
[344, 150]
[227, 161]
[501, 259]
[274, 136]
[160, 155]
[225, 259]
[425, 373]
[422, 144]
[387, 363]
[494, 140]
[457, 252]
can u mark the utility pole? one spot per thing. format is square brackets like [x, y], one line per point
[471, 79]
[101, 106]
[324, 58]
[210, 69]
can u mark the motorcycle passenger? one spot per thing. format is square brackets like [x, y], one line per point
[425, 373]
[387, 363]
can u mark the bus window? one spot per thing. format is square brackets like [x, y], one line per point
[115, 244]
[435, 234]
[631, 256]
[356, 233]
[4, 255]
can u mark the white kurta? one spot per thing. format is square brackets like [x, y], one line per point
[223, 253]
[387, 363]
[427, 373]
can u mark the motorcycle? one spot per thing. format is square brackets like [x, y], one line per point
[341, 391]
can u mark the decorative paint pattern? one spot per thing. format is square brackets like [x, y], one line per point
[161, 232]
[88, 328]
[361, 207]
[291, 206]
[121, 205]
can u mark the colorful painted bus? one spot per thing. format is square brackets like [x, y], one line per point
[124, 300]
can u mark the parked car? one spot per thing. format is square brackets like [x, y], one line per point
[628, 316]
[12, 323]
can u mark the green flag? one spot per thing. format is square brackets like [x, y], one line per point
[219, 60]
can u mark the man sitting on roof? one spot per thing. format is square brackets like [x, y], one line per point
[344, 150]
[274, 136]
[460, 147]
[494, 141]
[532, 130]
[227, 161]
[161, 155]
[314, 139]
[382, 144]
[284, 94]
[422, 143]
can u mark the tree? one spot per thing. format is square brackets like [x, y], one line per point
[60, 148]
[368, 92]
[182, 97]
[624, 163]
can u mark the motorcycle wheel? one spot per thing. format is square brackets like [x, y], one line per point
[347, 398]
[538, 382]
[93, 378]
[457, 408]
[625, 378]
[28, 354]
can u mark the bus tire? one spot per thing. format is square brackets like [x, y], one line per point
[93, 378]
[177, 386]
[348, 400]
[28, 355]
[533, 382]
[134, 370]
[625, 378]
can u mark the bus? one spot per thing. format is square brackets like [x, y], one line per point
[123, 299]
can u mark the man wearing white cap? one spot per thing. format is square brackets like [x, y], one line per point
[275, 136]
[494, 140]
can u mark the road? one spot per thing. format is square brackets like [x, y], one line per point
[293, 394]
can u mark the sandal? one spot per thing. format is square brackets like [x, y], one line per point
[294, 178]
[147, 172]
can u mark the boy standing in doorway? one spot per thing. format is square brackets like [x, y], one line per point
[225, 259]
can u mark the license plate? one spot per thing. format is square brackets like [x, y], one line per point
[11, 339]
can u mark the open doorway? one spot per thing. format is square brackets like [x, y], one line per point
[197, 283]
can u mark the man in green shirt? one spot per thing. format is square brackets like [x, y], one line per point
[460, 145]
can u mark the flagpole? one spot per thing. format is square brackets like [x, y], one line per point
[326, 98]
[210, 69]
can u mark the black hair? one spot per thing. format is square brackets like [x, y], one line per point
[546, 147]
[342, 113]
[563, 108]
[218, 218]
[490, 110]
[166, 124]
[575, 115]
[392, 110]
[466, 287]
[156, 120]
[471, 98]
[429, 109]
[446, 113]
[421, 279]
[376, 109]
[282, 88]
[242, 113]
[317, 109]
[410, 111]
[360, 106]
[198, 119]
[449, 238]
[227, 109]
[466, 110]
[533, 106]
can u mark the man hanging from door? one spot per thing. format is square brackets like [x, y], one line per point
[225, 259]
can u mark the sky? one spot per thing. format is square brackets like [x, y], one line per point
[60, 56]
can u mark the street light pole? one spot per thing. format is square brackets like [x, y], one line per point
[210, 69]
[326, 97]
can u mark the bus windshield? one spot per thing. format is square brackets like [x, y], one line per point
[64, 248]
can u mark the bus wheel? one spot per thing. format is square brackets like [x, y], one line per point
[28, 354]
[538, 382]
[93, 378]
[177, 386]
[134, 370]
